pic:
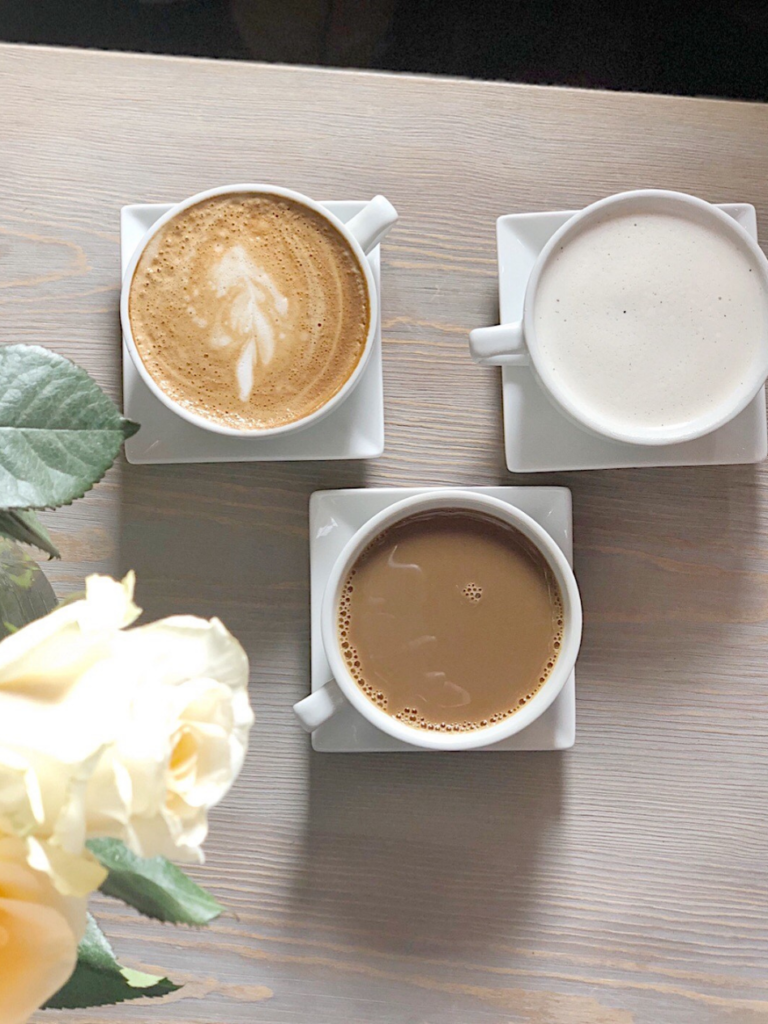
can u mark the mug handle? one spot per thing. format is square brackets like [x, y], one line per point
[319, 706]
[371, 224]
[503, 345]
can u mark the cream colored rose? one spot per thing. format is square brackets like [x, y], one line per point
[60, 708]
[39, 933]
[108, 731]
[183, 742]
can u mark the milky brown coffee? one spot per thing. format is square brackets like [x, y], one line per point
[450, 621]
[250, 310]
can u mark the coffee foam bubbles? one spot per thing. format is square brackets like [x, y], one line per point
[250, 310]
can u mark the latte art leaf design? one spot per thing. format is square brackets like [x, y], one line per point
[249, 315]
[249, 310]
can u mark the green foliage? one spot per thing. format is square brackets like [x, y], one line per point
[99, 979]
[59, 432]
[156, 888]
[25, 593]
[26, 528]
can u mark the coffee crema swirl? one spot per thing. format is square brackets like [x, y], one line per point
[250, 310]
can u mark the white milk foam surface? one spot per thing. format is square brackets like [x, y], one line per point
[650, 320]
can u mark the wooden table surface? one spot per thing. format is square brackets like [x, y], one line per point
[623, 882]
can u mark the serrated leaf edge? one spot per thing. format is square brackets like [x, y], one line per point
[125, 427]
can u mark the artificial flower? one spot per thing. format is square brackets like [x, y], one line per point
[39, 933]
[183, 742]
[109, 731]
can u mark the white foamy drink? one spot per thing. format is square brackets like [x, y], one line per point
[650, 320]
[250, 310]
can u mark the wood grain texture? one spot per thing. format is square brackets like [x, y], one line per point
[621, 883]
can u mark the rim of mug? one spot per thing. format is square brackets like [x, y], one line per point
[658, 435]
[455, 498]
[196, 418]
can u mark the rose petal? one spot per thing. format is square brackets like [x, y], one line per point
[21, 803]
[71, 874]
[108, 604]
[39, 933]
[184, 647]
[42, 659]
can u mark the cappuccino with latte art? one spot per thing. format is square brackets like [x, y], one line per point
[250, 310]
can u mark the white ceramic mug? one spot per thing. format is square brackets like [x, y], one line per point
[517, 344]
[363, 233]
[319, 706]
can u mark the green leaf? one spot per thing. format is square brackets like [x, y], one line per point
[27, 528]
[154, 887]
[99, 980]
[59, 432]
[25, 593]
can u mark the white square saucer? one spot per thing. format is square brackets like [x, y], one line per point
[355, 430]
[537, 438]
[333, 517]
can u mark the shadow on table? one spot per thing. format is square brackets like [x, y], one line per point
[228, 540]
[430, 850]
